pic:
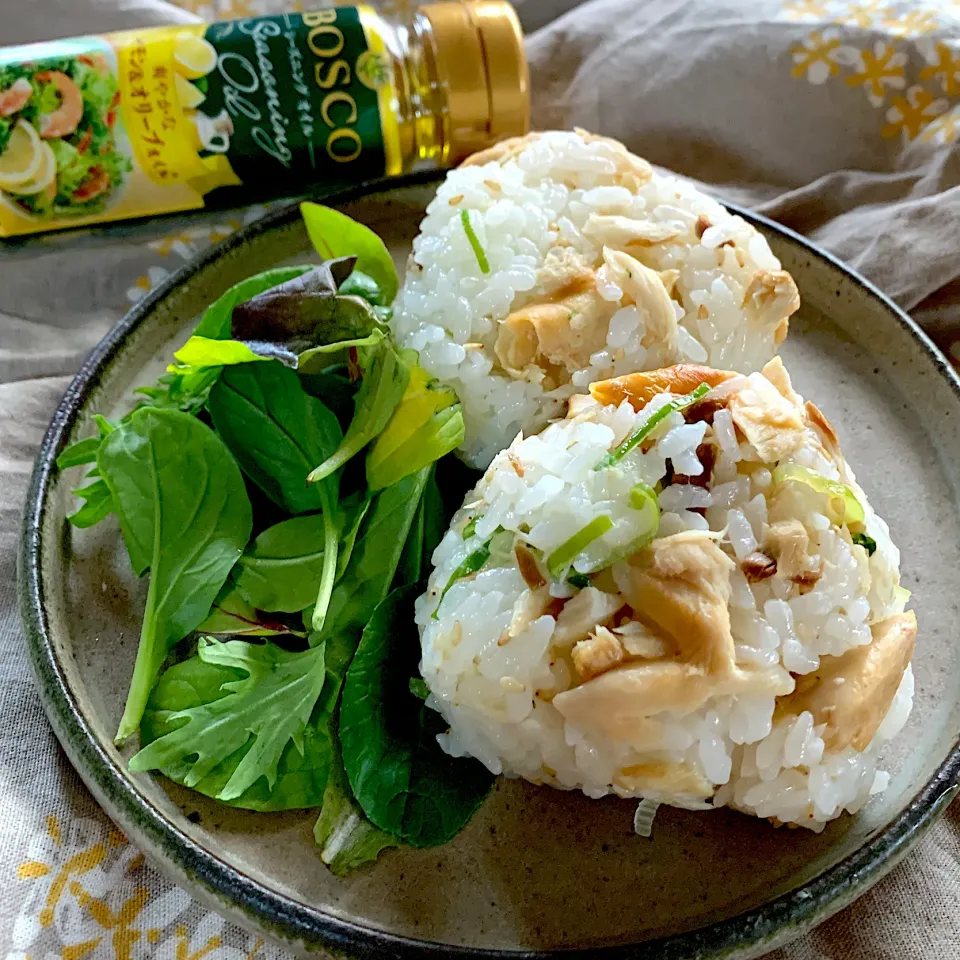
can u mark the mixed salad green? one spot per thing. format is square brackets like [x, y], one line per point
[281, 484]
[72, 102]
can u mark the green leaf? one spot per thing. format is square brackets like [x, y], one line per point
[347, 839]
[373, 565]
[181, 388]
[334, 234]
[426, 532]
[426, 425]
[232, 614]
[337, 392]
[303, 313]
[263, 714]
[276, 430]
[98, 504]
[184, 513]
[405, 784]
[205, 352]
[353, 509]
[418, 687]
[79, 453]
[215, 323]
[301, 776]
[411, 559]
[385, 377]
[281, 570]
[360, 284]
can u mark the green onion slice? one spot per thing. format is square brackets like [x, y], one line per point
[471, 564]
[622, 449]
[843, 507]
[567, 552]
[868, 543]
[474, 242]
[644, 498]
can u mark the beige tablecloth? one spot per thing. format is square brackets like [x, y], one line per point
[838, 117]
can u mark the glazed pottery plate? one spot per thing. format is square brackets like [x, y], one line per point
[537, 870]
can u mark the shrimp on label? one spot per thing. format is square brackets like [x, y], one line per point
[15, 97]
[64, 120]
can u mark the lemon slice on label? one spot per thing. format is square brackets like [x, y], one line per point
[22, 157]
[44, 176]
[194, 57]
[189, 96]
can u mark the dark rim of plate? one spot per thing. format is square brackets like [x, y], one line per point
[744, 935]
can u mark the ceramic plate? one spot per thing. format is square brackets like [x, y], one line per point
[537, 870]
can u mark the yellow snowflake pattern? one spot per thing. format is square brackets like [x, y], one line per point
[943, 67]
[888, 69]
[910, 114]
[806, 10]
[87, 893]
[912, 23]
[864, 14]
[816, 57]
[878, 69]
[945, 129]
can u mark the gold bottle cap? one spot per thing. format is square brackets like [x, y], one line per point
[481, 62]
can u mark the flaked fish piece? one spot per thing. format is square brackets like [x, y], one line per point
[640, 388]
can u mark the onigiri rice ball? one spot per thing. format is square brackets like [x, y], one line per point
[679, 593]
[558, 259]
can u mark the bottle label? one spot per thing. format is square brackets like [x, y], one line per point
[153, 121]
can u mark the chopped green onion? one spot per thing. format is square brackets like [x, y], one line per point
[474, 242]
[578, 580]
[419, 688]
[644, 498]
[617, 454]
[843, 507]
[470, 528]
[471, 564]
[868, 543]
[567, 552]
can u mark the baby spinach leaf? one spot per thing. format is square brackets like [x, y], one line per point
[276, 430]
[334, 234]
[231, 614]
[262, 713]
[403, 781]
[216, 320]
[281, 570]
[334, 390]
[360, 284]
[353, 509]
[385, 376]
[411, 559]
[426, 532]
[184, 514]
[347, 839]
[373, 565]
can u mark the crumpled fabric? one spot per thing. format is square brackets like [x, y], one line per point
[839, 118]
